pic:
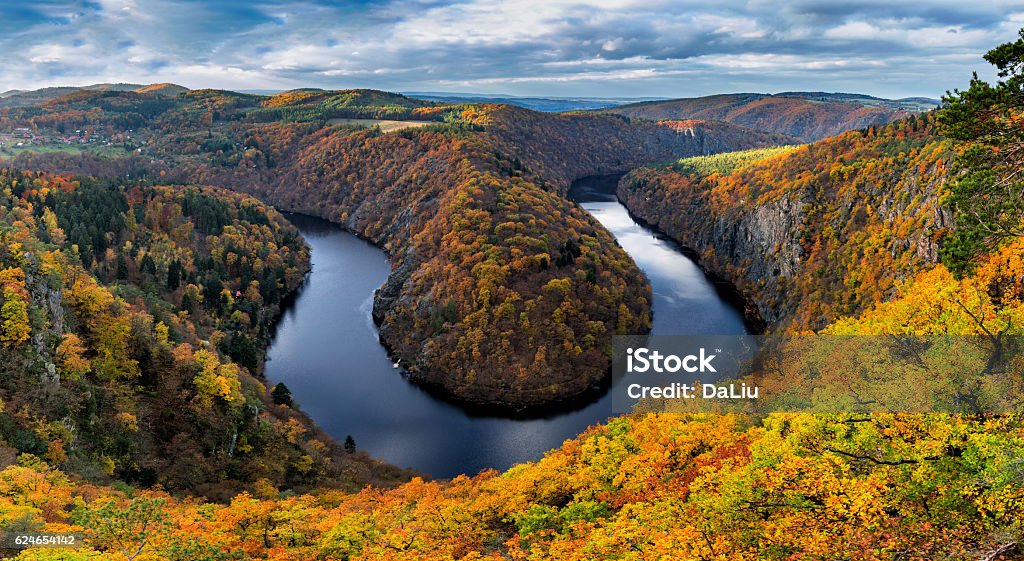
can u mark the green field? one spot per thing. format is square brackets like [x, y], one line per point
[112, 151]
[728, 162]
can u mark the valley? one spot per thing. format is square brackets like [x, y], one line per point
[809, 116]
[352, 324]
[326, 350]
[471, 211]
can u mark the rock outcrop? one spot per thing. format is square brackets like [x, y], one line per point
[823, 231]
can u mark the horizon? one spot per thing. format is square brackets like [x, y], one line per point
[436, 93]
[607, 49]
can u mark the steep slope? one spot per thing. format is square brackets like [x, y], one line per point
[132, 335]
[805, 115]
[815, 233]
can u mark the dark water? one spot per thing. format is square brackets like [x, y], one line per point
[685, 302]
[326, 351]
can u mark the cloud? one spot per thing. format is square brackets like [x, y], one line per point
[553, 47]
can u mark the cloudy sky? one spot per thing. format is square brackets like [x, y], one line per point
[635, 48]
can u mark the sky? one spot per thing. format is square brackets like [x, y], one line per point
[601, 48]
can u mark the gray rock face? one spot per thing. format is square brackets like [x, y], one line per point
[804, 256]
[761, 243]
[46, 308]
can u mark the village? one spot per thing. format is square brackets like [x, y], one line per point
[25, 138]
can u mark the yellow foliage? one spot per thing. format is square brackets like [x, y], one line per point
[216, 380]
[14, 322]
[70, 354]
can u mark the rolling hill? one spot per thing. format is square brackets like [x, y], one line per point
[546, 104]
[25, 98]
[809, 116]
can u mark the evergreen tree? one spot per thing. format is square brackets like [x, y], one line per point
[988, 198]
[174, 272]
[281, 394]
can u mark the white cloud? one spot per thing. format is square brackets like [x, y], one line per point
[638, 47]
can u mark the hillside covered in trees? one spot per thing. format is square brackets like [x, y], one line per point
[651, 487]
[502, 293]
[22, 98]
[808, 116]
[133, 322]
[811, 233]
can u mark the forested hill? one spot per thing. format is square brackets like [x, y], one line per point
[643, 486]
[503, 292]
[23, 98]
[134, 322]
[564, 147]
[814, 232]
[809, 116]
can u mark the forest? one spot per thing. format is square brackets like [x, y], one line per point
[811, 233]
[657, 486]
[134, 321]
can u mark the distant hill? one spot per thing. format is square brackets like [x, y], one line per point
[809, 116]
[23, 98]
[545, 104]
[342, 98]
[162, 89]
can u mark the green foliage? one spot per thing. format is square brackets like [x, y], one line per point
[727, 162]
[281, 394]
[89, 215]
[537, 518]
[127, 528]
[320, 106]
[209, 213]
[198, 549]
[988, 197]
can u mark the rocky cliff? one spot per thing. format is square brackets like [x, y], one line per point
[815, 233]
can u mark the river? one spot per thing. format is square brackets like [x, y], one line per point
[325, 349]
